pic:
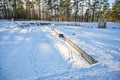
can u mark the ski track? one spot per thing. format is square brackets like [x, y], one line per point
[106, 47]
[35, 53]
[84, 40]
[8, 72]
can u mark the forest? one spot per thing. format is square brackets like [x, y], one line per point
[60, 10]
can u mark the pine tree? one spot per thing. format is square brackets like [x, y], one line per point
[116, 11]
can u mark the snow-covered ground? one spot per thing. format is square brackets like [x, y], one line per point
[36, 53]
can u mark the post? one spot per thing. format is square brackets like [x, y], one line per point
[102, 23]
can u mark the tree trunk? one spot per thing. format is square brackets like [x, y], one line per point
[14, 10]
[93, 13]
[4, 10]
[39, 10]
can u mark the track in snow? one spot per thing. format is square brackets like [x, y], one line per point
[30, 53]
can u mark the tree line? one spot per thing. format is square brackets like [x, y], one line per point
[60, 10]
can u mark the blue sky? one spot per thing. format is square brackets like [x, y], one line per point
[111, 1]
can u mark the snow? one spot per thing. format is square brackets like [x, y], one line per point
[103, 42]
[34, 52]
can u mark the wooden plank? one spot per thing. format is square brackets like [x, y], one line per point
[87, 57]
[83, 54]
[58, 34]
